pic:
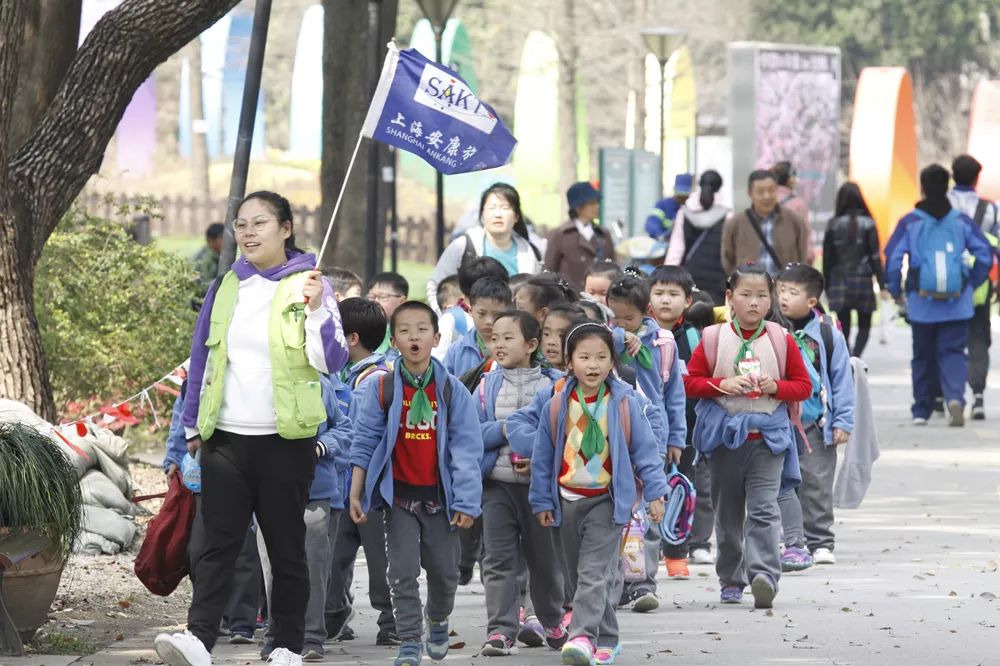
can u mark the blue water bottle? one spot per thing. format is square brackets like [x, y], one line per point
[191, 471]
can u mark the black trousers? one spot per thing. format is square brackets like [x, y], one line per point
[243, 476]
[244, 602]
[979, 347]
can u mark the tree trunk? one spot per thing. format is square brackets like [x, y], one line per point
[199, 130]
[566, 44]
[346, 96]
[51, 34]
[43, 176]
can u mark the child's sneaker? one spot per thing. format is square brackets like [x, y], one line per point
[284, 657]
[437, 639]
[731, 594]
[763, 591]
[410, 654]
[978, 410]
[796, 559]
[567, 618]
[240, 637]
[919, 421]
[183, 649]
[498, 645]
[642, 602]
[531, 634]
[702, 556]
[607, 655]
[578, 652]
[824, 556]
[956, 414]
[556, 637]
[677, 569]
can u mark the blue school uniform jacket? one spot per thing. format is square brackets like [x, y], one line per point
[463, 355]
[493, 439]
[459, 443]
[639, 455]
[670, 393]
[522, 425]
[335, 436]
[838, 381]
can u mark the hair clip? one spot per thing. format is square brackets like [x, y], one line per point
[633, 271]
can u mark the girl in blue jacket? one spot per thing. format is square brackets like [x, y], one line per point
[509, 528]
[591, 436]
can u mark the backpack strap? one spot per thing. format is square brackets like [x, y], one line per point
[665, 341]
[981, 207]
[389, 379]
[826, 332]
[710, 344]
[779, 342]
[469, 253]
[482, 392]
[554, 415]
[693, 338]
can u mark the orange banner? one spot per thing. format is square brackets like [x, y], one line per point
[883, 159]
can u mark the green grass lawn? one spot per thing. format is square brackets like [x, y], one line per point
[416, 274]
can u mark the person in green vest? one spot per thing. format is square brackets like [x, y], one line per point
[267, 330]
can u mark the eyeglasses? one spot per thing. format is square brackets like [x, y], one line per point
[241, 226]
[380, 298]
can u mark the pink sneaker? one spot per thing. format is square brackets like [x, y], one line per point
[607, 655]
[556, 637]
[567, 618]
[578, 651]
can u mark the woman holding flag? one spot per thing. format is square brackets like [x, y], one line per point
[266, 331]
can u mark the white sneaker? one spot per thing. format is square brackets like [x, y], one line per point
[182, 650]
[823, 556]
[702, 556]
[284, 657]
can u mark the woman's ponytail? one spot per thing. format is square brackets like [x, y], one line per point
[709, 183]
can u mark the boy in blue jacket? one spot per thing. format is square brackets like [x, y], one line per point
[938, 292]
[417, 451]
[322, 514]
[488, 297]
[364, 327]
[827, 418]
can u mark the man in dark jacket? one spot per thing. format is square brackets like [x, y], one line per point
[579, 243]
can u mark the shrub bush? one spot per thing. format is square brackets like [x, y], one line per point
[114, 315]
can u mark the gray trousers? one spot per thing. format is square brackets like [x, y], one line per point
[979, 347]
[704, 512]
[414, 540]
[745, 483]
[807, 511]
[592, 547]
[347, 537]
[320, 519]
[509, 526]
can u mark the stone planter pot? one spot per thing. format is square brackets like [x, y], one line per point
[30, 586]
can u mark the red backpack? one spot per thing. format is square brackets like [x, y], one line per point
[162, 561]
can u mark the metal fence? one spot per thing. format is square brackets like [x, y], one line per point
[189, 216]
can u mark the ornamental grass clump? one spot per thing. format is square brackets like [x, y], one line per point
[39, 489]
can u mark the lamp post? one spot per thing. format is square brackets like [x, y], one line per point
[437, 13]
[662, 42]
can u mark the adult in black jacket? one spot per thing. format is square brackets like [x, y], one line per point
[852, 259]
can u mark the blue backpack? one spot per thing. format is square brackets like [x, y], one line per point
[814, 408]
[940, 256]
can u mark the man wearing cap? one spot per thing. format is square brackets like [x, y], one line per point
[660, 221]
[580, 242]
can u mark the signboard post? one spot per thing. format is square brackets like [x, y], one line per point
[630, 186]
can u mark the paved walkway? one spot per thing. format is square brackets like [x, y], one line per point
[916, 582]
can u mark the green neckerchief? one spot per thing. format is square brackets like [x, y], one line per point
[481, 344]
[593, 437]
[644, 357]
[346, 371]
[800, 340]
[745, 345]
[420, 408]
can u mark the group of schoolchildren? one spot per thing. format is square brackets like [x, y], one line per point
[546, 422]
